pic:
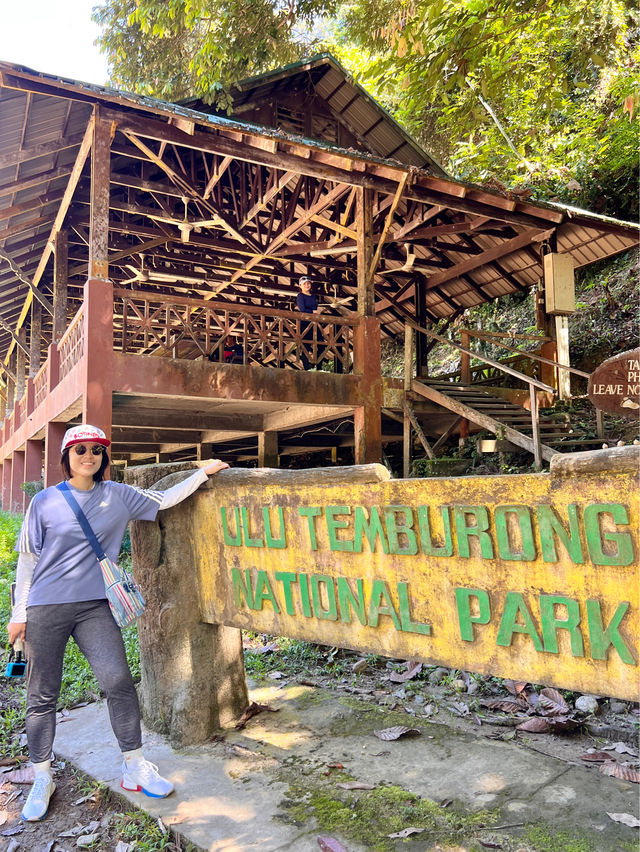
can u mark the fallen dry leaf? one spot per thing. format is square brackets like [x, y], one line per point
[330, 844]
[123, 847]
[508, 705]
[458, 708]
[489, 845]
[396, 732]
[16, 829]
[335, 766]
[515, 687]
[4, 816]
[617, 770]
[252, 710]
[406, 832]
[552, 703]
[411, 671]
[534, 726]
[595, 756]
[625, 819]
[20, 776]
[87, 840]
[355, 785]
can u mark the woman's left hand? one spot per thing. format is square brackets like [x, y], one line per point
[215, 467]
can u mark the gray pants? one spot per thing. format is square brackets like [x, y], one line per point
[98, 637]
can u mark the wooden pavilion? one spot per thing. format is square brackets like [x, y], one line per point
[137, 235]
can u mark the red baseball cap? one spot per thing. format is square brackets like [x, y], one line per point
[83, 434]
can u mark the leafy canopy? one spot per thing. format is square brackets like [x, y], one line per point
[543, 95]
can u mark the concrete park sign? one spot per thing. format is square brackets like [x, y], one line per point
[533, 577]
[615, 385]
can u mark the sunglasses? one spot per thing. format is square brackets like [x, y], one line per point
[80, 450]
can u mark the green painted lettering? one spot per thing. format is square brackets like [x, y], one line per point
[303, 582]
[549, 523]
[242, 589]
[466, 619]
[479, 529]
[402, 527]
[330, 613]
[233, 540]
[380, 592]
[551, 623]
[406, 624]
[370, 527]
[311, 512]
[277, 543]
[622, 542]
[348, 601]
[515, 606]
[264, 592]
[333, 524]
[249, 542]
[426, 535]
[600, 638]
[287, 578]
[519, 547]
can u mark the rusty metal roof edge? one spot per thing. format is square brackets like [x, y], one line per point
[160, 106]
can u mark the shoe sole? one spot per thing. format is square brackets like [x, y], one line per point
[138, 789]
[44, 815]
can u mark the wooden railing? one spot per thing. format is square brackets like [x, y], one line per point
[40, 384]
[190, 328]
[70, 347]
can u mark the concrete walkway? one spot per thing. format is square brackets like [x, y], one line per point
[248, 791]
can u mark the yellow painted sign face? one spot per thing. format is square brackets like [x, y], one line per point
[531, 577]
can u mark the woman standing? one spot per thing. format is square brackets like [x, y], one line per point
[307, 303]
[60, 594]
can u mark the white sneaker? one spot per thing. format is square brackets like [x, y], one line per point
[142, 776]
[37, 805]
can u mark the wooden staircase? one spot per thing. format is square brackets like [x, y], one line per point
[494, 413]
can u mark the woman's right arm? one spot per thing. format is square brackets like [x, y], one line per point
[24, 575]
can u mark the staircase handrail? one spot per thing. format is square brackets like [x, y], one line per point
[485, 359]
[480, 335]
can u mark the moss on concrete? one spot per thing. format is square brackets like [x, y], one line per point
[544, 838]
[367, 817]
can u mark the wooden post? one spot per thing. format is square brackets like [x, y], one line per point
[562, 350]
[99, 215]
[465, 379]
[535, 431]
[60, 277]
[406, 422]
[21, 364]
[364, 218]
[35, 337]
[422, 341]
[367, 422]
[268, 449]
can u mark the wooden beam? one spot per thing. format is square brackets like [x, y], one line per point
[35, 151]
[387, 225]
[10, 259]
[505, 248]
[34, 180]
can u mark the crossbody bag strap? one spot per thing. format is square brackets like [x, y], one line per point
[82, 520]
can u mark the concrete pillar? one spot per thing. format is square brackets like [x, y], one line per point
[53, 440]
[367, 422]
[6, 484]
[98, 354]
[33, 460]
[17, 478]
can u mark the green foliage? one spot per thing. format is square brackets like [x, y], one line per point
[31, 488]
[197, 48]
[544, 95]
